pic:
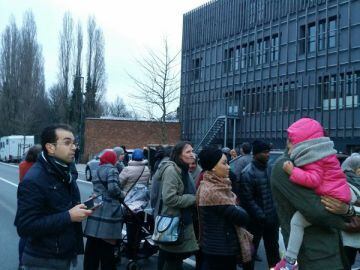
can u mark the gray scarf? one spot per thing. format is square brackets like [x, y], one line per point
[312, 150]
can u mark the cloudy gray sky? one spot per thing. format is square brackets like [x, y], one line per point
[130, 28]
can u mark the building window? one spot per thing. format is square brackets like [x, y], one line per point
[332, 32]
[322, 35]
[243, 56]
[285, 92]
[251, 54]
[302, 39]
[269, 101]
[237, 57]
[335, 94]
[311, 37]
[266, 54]
[259, 52]
[275, 99]
[228, 60]
[275, 48]
[196, 68]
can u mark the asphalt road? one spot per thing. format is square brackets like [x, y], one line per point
[9, 238]
[8, 235]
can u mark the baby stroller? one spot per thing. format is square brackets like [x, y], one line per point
[136, 243]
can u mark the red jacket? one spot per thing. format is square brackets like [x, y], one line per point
[325, 175]
[24, 166]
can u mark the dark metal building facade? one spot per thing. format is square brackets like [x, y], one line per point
[266, 63]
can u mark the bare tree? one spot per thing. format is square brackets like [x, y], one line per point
[96, 76]
[23, 83]
[159, 87]
[116, 108]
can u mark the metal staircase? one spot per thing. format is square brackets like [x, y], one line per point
[221, 122]
[211, 133]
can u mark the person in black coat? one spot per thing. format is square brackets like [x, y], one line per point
[49, 212]
[256, 198]
[220, 218]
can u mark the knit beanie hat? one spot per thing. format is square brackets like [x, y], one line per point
[108, 157]
[352, 163]
[209, 157]
[137, 155]
[226, 150]
[118, 151]
[259, 147]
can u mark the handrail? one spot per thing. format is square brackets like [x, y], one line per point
[224, 117]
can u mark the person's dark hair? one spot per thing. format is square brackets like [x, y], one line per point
[176, 153]
[246, 147]
[33, 153]
[48, 135]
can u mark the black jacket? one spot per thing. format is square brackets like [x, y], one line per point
[255, 193]
[42, 214]
[217, 229]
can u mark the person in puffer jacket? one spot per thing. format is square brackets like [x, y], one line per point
[313, 165]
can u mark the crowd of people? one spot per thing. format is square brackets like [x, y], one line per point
[227, 201]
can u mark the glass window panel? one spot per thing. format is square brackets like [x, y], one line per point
[311, 38]
[332, 32]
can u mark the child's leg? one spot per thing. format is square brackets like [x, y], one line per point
[298, 224]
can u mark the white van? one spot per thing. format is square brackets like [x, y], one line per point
[12, 148]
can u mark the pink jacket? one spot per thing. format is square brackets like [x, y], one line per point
[325, 175]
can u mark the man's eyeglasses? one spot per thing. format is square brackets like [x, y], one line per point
[67, 143]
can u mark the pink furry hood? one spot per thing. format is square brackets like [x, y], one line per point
[304, 129]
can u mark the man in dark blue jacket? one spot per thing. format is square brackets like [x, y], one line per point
[49, 212]
[256, 198]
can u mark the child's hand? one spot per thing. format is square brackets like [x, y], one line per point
[288, 167]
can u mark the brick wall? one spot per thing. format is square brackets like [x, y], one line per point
[105, 133]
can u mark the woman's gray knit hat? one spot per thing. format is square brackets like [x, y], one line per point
[352, 163]
[119, 151]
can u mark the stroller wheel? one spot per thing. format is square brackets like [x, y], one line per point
[132, 266]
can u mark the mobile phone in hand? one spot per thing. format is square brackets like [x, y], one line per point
[94, 202]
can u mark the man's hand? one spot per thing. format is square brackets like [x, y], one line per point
[288, 167]
[334, 205]
[353, 226]
[79, 212]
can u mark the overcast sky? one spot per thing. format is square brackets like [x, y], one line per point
[130, 27]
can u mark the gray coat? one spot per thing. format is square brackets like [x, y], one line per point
[106, 222]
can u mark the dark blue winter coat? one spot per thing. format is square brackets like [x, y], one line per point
[42, 214]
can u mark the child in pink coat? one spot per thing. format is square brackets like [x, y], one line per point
[316, 167]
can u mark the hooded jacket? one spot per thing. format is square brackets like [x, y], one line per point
[321, 172]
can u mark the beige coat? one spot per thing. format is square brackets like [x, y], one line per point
[131, 173]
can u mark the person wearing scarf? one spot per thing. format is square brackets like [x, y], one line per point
[222, 238]
[49, 211]
[177, 198]
[313, 165]
[351, 168]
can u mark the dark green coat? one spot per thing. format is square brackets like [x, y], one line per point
[322, 246]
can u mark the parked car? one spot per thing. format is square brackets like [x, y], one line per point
[93, 164]
[274, 154]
